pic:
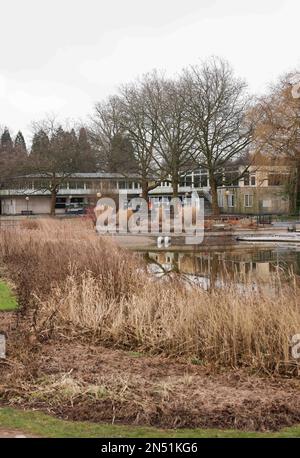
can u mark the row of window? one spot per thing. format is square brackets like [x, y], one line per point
[193, 180]
[200, 181]
[196, 181]
[106, 184]
[62, 202]
[248, 201]
[46, 184]
[229, 179]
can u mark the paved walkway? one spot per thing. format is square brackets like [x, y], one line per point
[13, 433]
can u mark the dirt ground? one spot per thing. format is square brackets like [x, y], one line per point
[78, 381]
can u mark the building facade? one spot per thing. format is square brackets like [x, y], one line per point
[30, 194]
[261, 190]
[80, 190]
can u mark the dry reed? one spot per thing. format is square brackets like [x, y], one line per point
[84, 285]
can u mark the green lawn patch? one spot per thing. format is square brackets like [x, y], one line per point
[7, 299]
[40, 424]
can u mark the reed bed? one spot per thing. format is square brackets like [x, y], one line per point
[77, 284]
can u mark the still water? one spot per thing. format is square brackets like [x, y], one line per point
[260, 263]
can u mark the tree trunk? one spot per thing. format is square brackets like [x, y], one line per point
[175, 183]
[297, 189]
[214, 195]
[53, 201]
[145, 190]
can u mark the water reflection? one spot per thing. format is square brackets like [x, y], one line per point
[208, 267]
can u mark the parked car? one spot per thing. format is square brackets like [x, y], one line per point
[75, 209]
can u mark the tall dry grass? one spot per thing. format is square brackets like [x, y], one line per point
[80, 284]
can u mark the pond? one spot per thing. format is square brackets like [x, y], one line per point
[207, 267]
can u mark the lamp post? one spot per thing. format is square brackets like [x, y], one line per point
[187, 195]
[70, 201]
[98, 196]
[227, 194]
[27, 205]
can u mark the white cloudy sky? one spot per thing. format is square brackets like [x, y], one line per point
[61, 56]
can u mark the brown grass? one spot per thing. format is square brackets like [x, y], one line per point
[72, 282]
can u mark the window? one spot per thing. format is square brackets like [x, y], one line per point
[60, 202]
[246, 179]
[231, 200]
[123, 185]
[197, 181]
[76, 185]
[20, 185]
[109, 184]
[248, 200]
[231, 179]
[266, 203]
[203, 181]
[42, 184]
[249, 180]
[200, 179]
[188, 180]
[95, 185]
[185, 180]
[76, 202]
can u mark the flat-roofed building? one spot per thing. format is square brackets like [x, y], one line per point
[262, 189]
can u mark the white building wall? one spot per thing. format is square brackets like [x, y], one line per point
[15, 205]
[8, 206]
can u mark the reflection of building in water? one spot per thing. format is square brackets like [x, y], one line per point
[259, 264]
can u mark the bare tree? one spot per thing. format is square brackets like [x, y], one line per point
[124, 119]
[174, 139]
[218, 107]
[141, 129]
[177, 125]
[104, 127]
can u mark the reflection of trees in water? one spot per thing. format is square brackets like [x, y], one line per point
[226, 265]
[291, 261]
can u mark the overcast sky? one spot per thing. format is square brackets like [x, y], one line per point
[63, 55]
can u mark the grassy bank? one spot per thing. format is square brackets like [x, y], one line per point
[74, 282]
[40, 424]
[8, 301]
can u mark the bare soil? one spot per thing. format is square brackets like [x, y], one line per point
[140, 389]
